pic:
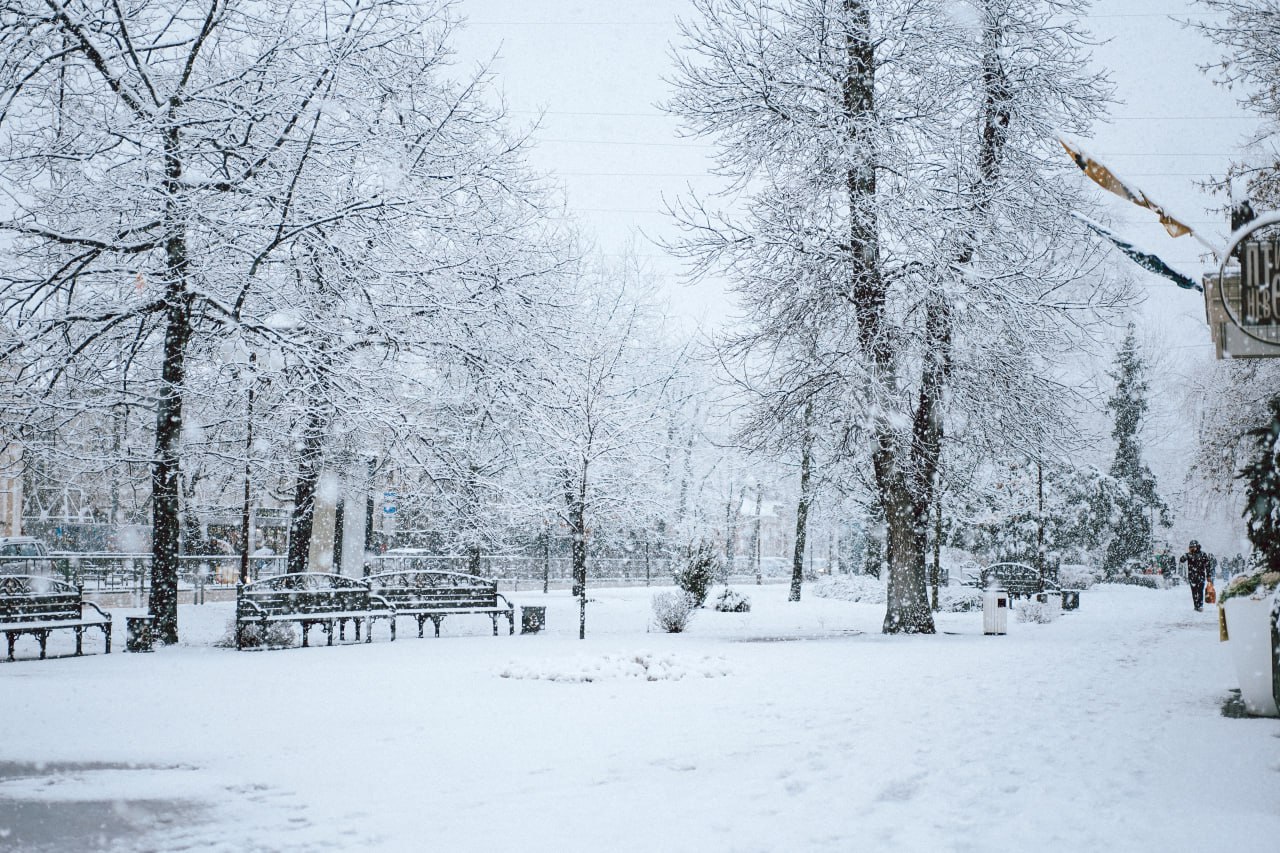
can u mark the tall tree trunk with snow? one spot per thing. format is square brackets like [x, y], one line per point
[576, 516]
[165, 468]
[310, 462]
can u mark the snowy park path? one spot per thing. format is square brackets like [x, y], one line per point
[792, 728]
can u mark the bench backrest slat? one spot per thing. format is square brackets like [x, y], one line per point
[311, 592]
[423, 589]
[32, 598]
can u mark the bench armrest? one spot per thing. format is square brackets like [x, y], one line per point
[246, 604]
[386, 605]
[504, 599]
[104, 614]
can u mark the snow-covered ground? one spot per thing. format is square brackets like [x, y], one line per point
[795, 727]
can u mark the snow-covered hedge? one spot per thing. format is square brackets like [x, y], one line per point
[1030, 610]
[1145, 581]
[860, 588]
[959, 599]
[1077, 576]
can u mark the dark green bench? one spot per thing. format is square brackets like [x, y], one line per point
[30, 604]
[428, 594]
[311, 598]
[1018, 579]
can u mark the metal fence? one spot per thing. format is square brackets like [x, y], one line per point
[111, 572]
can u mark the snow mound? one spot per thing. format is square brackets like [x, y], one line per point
[860, 588]
[643, 666]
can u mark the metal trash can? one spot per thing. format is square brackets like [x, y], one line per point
[532, 619]
[995, 611]
[138, 633]
[1070, 599]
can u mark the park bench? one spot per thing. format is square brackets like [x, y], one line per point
[428, 594]
[310, 598]
[35, 605]
[1018, 579]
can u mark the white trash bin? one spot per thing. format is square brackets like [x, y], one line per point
[995, 611]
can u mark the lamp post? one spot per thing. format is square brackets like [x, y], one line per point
[247, 509]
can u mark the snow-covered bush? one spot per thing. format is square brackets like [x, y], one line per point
[1247, 585]
[732, 602]
[1077, 576]
[672, 611]
[860, 588]
[1030, 610]
[697, 575]
[959, 599]
[272, 635]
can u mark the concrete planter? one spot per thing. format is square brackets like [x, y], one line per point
[1249, 641]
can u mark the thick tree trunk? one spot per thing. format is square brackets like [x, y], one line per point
[304, 495]
[165, 489]
[165, 470]
[576, 506]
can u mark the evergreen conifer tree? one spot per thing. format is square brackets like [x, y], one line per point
[1262, 492]
[1138, 502]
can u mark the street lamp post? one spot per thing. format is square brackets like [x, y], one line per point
[247, 509]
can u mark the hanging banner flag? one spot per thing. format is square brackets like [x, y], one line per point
[1146, 260]
[1105, 178]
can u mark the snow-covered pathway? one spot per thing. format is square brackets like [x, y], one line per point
[794, 727]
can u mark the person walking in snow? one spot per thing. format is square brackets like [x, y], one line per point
[1198, 568]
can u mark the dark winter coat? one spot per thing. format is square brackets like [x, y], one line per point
[1197, 565]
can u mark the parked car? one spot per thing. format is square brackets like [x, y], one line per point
[24, 555]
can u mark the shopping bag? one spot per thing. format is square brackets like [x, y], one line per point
[1210, 594]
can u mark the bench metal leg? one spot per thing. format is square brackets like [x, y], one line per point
[306, 629]
[10, 636]
[328, 629]
[106, 632]
[511, 622]
[368, 636]
[79, 637]
[422, 620]
[436, 620]
[42, 637]
[392, 620]
[342, 630]
[493, 617]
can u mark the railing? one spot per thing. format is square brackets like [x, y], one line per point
[111, 572]
[519, 571]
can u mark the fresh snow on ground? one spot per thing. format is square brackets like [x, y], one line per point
[794, 727]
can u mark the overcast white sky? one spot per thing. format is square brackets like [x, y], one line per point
[594, 69]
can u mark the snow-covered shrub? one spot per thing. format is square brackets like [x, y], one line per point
[1246, 585]
[732, 602]
[672, 611]
[697, 575]
[272, 635]
[861, 588]
[959, 599]
[1145, 581]
[1077, 576]
[1030, 610]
